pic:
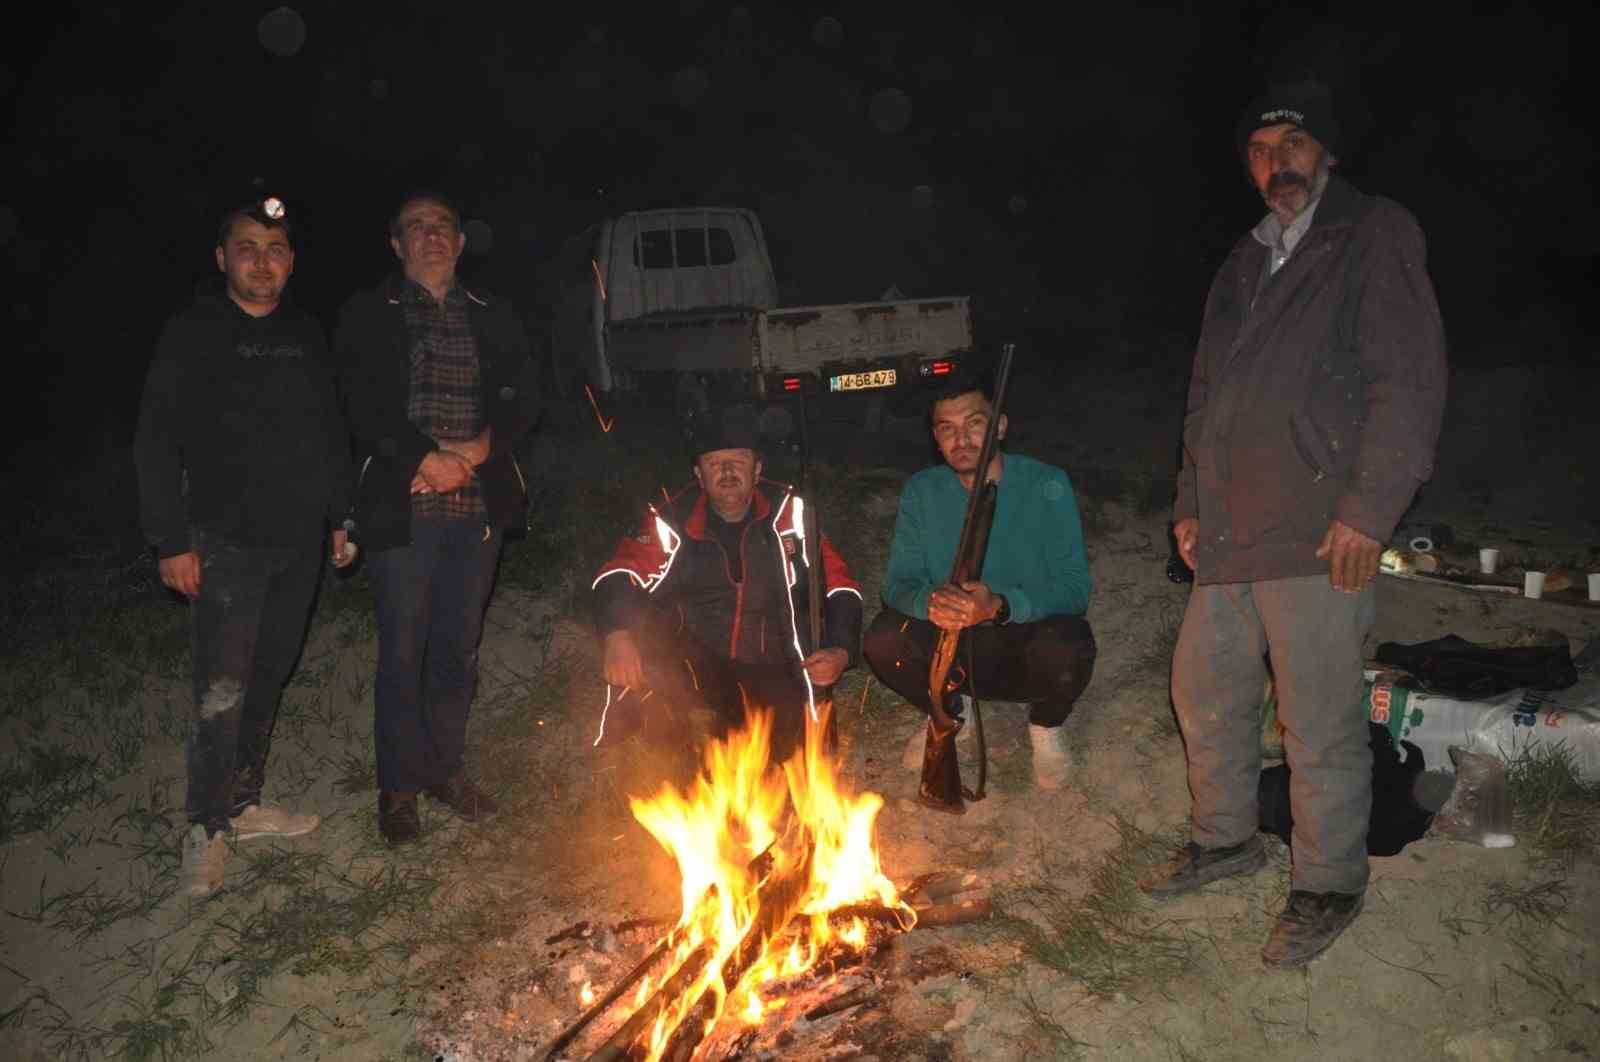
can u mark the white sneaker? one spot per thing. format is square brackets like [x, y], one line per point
[1052, 763]
[204, 860]
[269, 820]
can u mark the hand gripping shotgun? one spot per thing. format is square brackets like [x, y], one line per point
[941, 774]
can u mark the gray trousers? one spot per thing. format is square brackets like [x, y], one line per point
[1313, 635]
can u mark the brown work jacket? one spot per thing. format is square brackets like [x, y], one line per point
[1317, 392]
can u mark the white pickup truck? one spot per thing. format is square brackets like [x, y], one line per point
[683, 301]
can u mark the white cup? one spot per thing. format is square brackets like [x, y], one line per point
[1488, 559]
[1533, 584]
[1594, 586]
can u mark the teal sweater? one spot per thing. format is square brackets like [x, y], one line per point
[1035, 556]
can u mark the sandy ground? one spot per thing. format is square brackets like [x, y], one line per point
[1427, 972]
[1430, 971]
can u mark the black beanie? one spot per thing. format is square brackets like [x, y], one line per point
[733, 427]
[1306, 104]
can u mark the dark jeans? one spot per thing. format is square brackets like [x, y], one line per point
[1045, 664]
[247, 627]
[431, 598]
[681, 673]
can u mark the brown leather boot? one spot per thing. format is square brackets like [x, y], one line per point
[397, 816]
[460, 795]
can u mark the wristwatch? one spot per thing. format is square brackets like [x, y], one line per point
[1002, 615]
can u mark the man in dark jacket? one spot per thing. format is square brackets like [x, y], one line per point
[1313, 414]
[708, 604]
[438, 385]
[242, 463]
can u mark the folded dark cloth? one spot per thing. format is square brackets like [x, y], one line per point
[1457, 668]
[1397, 819]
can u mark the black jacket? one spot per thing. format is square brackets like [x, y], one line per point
[243, 408]
[763, 617]
[371, 349]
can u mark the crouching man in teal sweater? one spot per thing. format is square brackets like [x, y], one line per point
[1030, 641]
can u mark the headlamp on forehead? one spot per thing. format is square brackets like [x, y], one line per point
[272, 207]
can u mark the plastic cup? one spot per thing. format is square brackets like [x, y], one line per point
[1594, 586]
[1488, 560]
[1533, 584]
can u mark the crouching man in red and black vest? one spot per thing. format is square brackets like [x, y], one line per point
[707, 604]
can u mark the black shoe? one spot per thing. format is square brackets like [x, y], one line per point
[464, 798]
[1195, 866]
[1310, 922]
[397, 816]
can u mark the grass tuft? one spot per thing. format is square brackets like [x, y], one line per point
[1557, 811]
[41, 783]
[1526, 906]
[1107, 938]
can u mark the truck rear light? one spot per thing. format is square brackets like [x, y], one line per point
[942, 367]
[792, 383]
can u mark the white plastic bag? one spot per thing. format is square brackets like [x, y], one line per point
[1502, 726]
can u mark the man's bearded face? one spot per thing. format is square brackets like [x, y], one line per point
[729, 479]
[1288, 166]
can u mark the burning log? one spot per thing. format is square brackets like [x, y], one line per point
[955, 914]
[784, 894]
[853, 998]
[780, 901]
[930, 917]
[579, 931]
[869, 912]
[759, 866]
[634, 925]
[619, 1046]
[587, 930]
[605, 1001]
[941, 885]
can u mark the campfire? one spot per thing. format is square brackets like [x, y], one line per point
[780, 883]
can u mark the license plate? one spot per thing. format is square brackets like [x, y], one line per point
[862, 381]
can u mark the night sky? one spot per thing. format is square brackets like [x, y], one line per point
[1070, 167]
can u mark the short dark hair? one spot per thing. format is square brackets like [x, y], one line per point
[964, 381]
[422, 195]
[257, 213]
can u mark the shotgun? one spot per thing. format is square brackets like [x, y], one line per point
[941, 787]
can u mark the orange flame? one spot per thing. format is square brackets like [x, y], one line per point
[737, 809]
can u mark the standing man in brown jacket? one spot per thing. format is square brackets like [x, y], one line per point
[1313, 413]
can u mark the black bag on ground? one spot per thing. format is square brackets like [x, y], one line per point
[1397, 818]
[1467, 671]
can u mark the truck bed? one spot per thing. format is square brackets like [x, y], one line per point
[817, 339]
